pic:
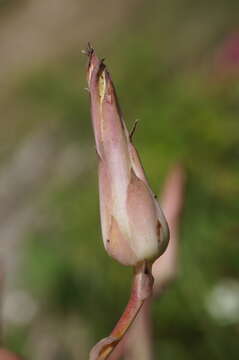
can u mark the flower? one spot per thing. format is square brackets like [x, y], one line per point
[134, 228]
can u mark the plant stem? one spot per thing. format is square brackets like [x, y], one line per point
[138, 343]
[141, 290]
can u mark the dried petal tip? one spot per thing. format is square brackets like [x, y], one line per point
[89, 49]
[133, 225]
[95, 66]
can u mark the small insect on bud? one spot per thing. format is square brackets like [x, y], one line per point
[133, 225]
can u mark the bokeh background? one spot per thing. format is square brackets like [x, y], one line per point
[175, 64]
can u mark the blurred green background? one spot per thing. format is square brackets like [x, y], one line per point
[175, 64]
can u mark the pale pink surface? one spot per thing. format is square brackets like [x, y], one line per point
[133, 226]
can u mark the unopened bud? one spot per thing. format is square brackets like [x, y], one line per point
[133, 225]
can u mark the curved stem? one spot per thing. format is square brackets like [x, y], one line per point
[141, 290]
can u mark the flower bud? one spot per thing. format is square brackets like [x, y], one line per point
[134, 228]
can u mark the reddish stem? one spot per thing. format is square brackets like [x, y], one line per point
[141, 290]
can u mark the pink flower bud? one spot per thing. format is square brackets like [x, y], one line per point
[133, 225]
